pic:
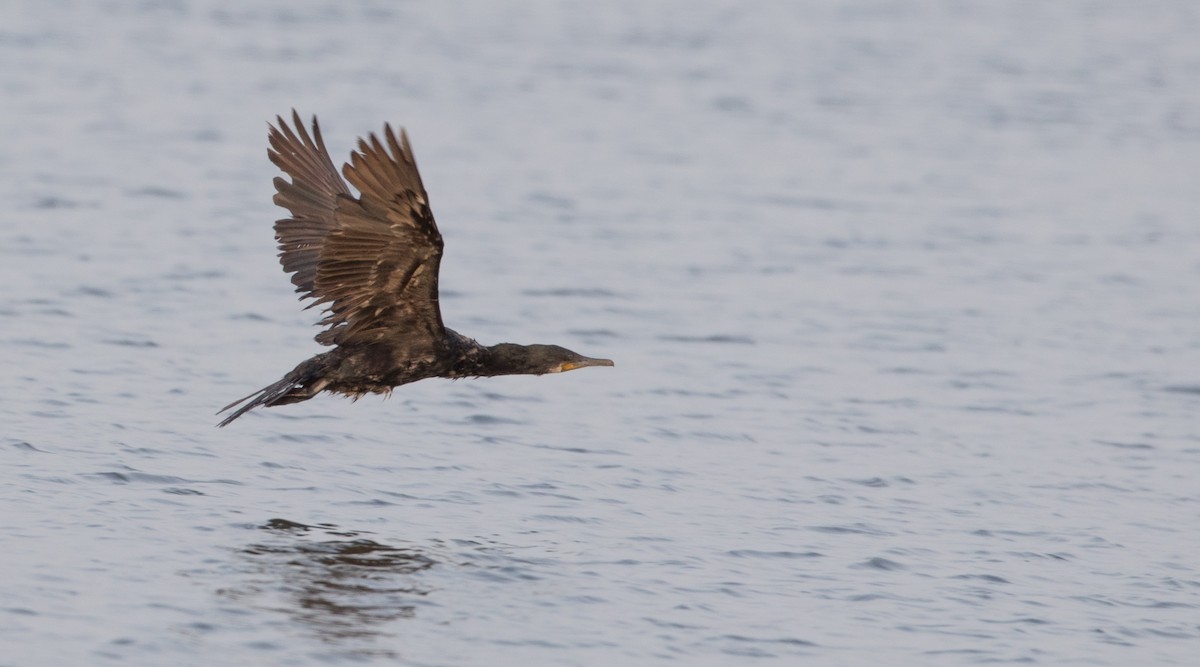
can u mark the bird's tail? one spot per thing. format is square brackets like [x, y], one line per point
[294, 387]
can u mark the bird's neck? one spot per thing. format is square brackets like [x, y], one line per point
[503, 359]
[475, 360]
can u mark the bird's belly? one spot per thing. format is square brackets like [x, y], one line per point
[376, 371]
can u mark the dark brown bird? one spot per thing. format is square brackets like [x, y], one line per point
[373, 260]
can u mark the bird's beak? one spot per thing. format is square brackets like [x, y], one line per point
[583, 363]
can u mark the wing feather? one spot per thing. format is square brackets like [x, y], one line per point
[311, 197]
[372, 260]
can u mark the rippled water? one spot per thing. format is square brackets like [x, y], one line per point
[902, 297]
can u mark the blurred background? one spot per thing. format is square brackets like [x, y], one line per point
[901, 295]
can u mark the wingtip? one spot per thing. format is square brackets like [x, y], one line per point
[297, 122]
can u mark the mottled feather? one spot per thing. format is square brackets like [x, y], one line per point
[372, 260]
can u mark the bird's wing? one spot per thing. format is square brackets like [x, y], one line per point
[311, 196]
[377, 263]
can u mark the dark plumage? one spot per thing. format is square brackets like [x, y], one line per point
[373, 262]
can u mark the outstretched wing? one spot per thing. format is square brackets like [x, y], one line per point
[311, 197]
[374, 260]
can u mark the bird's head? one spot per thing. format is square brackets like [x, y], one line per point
[514, 359]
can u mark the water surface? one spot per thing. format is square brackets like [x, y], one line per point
[902, 298]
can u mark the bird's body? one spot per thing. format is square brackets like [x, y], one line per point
[374, 260]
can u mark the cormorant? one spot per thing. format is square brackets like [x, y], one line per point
[374, 260]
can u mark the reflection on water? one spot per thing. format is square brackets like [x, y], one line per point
[343, 589]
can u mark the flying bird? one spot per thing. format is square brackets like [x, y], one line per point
[372, 262]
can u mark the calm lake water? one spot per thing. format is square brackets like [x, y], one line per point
[902, 297]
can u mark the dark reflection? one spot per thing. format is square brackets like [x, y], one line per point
[343, 589]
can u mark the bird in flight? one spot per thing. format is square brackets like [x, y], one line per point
[372, 262]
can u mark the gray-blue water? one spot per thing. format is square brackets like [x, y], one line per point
[902, 297]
